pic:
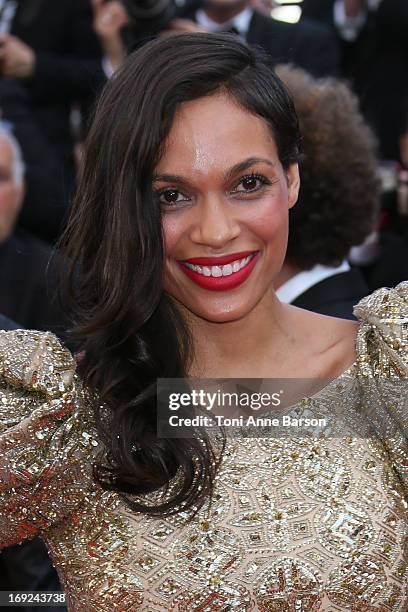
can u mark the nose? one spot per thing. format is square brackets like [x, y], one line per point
[215, 225]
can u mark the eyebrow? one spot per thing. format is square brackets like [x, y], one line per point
[247, 163]
[236, 169]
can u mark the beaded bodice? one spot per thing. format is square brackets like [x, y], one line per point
[295, 524]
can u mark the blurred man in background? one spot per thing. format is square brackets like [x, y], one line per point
[374, 44]
[27, 275]
[26, 295]
[308, 44]
[45, 201]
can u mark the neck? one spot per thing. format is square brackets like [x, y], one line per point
[242, 348]
[223, 13]
[287, 272]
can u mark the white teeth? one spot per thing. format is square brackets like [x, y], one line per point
[217, 271]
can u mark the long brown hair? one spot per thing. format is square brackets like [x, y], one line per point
[129, 330]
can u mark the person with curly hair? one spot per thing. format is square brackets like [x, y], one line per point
[339, 198]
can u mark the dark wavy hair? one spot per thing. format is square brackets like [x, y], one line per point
[129, 332]
[339, 197]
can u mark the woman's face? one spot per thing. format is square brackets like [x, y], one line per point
[224, 197]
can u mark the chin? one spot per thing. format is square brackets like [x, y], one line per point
[224, 312]
[222, 317]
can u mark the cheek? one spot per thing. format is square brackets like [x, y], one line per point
[6, 191]
[269, 220]
[8, 199]
[174, 230]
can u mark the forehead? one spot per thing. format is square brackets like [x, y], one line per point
[6, 153]
[214, 133]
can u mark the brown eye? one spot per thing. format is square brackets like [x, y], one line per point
[249, 183]
[170, 197]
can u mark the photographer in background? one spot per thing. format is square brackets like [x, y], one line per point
[50, 50]
[110, 18]
[123, 25]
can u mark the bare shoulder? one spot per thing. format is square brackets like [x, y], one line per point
[329, 342]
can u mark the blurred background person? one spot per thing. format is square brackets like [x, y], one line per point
[374, 55]
[28, 284]
[339, 200]
[52, 51]
[27, 273]
[111, 21]
[309, 44]
[45, 200]
[11, 182]
[374, 44]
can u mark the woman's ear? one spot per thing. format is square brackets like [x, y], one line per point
[293, 178]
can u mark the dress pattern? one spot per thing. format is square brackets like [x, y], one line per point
[298, 524]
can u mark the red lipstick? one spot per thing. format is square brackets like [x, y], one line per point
[220, 283]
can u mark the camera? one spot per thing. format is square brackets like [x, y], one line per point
[146, 19]
[150, 16]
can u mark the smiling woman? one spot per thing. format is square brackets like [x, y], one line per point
[178, 231]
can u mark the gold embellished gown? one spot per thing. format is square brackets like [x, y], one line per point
[296, 525]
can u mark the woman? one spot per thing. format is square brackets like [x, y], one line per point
[179, 228]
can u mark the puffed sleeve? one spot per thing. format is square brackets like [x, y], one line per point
[46, 438]
[382, 351]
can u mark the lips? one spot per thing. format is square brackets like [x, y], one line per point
[236, 267]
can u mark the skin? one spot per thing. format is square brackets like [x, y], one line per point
[11, 194]
[109, 19]
[17, 60]
[220, 11]
[353, 7]
[212, 210]
[287, 272]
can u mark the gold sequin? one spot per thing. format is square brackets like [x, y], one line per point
[296, 524]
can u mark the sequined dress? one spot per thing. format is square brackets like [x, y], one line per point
[296, 525]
